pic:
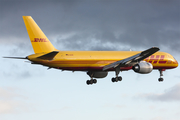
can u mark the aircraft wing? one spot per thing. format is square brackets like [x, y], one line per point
[133, 59]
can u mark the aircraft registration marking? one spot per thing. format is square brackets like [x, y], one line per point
[69, 54]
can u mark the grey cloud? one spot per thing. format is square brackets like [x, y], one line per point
[77, 42]
[171, 94]
[96, 23]
[20, 74]
[21, 49]
[25, 74]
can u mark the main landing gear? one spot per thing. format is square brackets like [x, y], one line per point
[117, 78]
[161, 74]
[92, 81]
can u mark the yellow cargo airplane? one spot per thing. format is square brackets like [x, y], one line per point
[97, 64]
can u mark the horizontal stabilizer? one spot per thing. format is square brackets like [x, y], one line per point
[16, 57]
[49, 56]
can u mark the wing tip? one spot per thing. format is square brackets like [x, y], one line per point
[156, 48]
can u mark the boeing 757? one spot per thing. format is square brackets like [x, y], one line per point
[96, 64]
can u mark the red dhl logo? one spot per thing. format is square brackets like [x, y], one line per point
[156, 59]
[39, 40]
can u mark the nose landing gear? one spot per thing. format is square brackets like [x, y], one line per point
[161, 74]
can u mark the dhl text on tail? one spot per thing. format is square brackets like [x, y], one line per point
[97, 64]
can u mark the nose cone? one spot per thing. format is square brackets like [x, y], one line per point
[175, 63]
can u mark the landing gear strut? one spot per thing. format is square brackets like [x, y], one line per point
[92, 81]
[161, 74]
[116, 79]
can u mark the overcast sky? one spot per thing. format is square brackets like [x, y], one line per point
[32, 92]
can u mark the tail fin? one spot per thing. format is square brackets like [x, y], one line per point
[38, 39]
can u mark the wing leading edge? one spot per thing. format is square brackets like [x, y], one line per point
[133, 59]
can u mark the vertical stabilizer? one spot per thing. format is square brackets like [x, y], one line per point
[38, 39]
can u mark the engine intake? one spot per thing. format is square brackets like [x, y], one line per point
[143, 67]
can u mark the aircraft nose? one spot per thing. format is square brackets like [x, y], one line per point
[175, 63]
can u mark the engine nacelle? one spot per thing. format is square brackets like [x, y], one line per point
[143, 67]
[97, 74]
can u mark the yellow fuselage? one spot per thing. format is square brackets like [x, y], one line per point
[96, 60]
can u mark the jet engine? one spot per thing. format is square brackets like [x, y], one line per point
[143, 67]
[97, 74]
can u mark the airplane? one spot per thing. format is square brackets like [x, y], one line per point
[96, 64]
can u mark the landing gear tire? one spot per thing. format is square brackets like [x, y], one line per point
[113, 79]
[119, 78]
[90, 82]
[116, 79]
[94, 81]
[160, 79]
